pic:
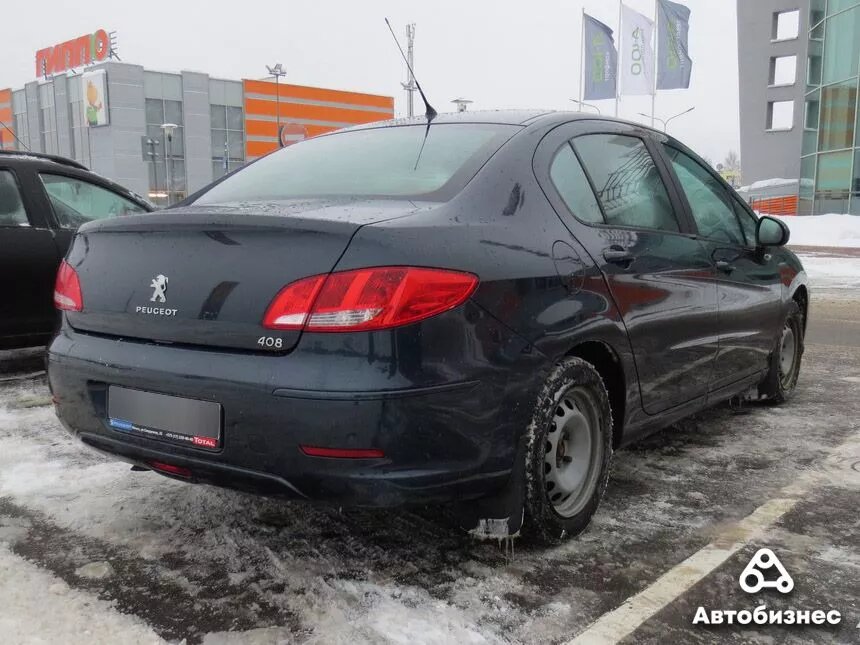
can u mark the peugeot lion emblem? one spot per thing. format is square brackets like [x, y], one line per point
[159, 284]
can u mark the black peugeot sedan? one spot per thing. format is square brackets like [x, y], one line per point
[43, 200]
[474, 312]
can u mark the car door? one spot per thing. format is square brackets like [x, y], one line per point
[73, 201]
[28, 261]
[749, 284]
[661, 278]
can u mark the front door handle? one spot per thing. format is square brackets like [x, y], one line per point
[724, 266]
[617, 256]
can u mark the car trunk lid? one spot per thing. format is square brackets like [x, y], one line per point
[205, 277]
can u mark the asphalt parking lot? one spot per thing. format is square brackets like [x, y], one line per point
[143, 558]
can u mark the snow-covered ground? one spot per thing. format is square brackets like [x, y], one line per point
[39, 608]
[824, 230]
[838, 276]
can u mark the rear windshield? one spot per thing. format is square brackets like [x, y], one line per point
[379, 162]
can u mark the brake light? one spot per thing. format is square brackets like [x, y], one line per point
[67, 289]
[368, 299]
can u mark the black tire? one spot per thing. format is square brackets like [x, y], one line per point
[781, 380]
[574, 388]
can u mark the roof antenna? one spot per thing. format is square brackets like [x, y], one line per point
[429, 112]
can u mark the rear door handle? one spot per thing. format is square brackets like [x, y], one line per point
[618, 256]
[725, 267]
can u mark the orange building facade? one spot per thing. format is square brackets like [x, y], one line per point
[303, 112]
[7, 141]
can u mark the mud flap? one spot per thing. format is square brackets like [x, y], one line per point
[500, 515]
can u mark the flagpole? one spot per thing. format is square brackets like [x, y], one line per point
[620, 57]
[582, 62]
[656, 59]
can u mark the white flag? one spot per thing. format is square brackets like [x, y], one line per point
[637, 53]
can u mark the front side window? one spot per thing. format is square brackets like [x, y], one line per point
[392, 162]
[12, 211]
[76, 202]
[627, 182]
[749, 223]
[570, 181]
[710, 204]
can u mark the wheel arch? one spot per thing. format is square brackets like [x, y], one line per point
[608, 364]
[801, 297]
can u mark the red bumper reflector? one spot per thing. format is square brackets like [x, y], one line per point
[343, 453]
[170, 469]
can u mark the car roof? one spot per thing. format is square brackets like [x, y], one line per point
[500, 117]
[25, 155]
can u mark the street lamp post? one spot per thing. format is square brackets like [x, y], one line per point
[277, 70]
[667, 121]
[581, 105]
[168, 129]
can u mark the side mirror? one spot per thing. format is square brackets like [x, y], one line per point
[772, 232]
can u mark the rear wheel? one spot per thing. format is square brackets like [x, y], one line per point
[569, 452]
[781, 380]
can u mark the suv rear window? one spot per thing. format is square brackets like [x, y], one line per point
[378, 162]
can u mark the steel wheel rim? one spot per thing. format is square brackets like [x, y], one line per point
[787, 354]
[574, 452]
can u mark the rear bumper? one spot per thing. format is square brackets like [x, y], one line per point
[442, 442]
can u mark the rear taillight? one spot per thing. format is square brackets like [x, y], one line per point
[368, 299]
[67, 289]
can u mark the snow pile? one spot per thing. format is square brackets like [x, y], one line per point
[824, 230]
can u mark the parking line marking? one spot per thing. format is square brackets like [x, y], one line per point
[624, 620]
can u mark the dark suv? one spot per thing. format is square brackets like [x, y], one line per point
[43, 200]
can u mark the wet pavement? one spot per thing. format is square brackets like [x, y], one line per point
[203, 564]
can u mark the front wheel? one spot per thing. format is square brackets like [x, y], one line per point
[781, 380]
[569, 452]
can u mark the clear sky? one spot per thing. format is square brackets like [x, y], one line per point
[500, 53]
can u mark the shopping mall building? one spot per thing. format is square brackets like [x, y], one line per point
[108, 115]
[799, 66]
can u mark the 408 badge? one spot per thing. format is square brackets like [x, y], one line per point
[270, 342]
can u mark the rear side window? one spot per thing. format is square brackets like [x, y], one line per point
[393, 162]
[627, 182]
[76, 202]
[12, 211]
[709, 201]
[569, 179]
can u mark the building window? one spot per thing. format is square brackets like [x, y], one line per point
[841, 46]
[783, 70]
[838, 105]
[228, 139]
[816, 19]
[836, 6]
[169, 156]
[780, 115]
[833, 181]
[786, 25]
[813, 76]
